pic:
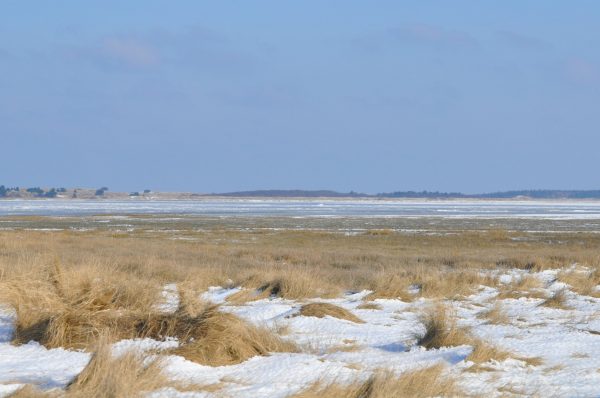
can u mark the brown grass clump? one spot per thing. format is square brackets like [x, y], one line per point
[107, 377]
[333, 390]
[531, 361]
[214, 337]
[527, 286]
[369, 306]
[66, 309]
[441, 329]
[430, 280]
[30, 391]
[289, 283]
[451, 283]
[495, 315]
[420, 383]
[321, 310]
[73, 308]
[584, 283]
[390, 284]
[344, 348]
[287, 263]
[557, 300]
[245, 295]
[484, 352]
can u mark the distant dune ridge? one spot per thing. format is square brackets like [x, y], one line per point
[533, 194]
[104, 192]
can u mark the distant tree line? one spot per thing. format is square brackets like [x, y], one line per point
[527, 193]
[422, 194]
[5, 190]
[100, 191]
[531, 193]
[36, 191]
[293, 193]
[51, 193]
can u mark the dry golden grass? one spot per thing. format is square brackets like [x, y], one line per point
[495, 315]
[72, 308]
[126, 376]
[67, 309]
[106, 376]
[584, 283]
[531, 361]
[217, 338]
[369, 306]
[420, 383]
[209, 336]
[30, 391]
[452, 283]
[321, 310]
[289, 283]
[526, 286]
[344, 348]
[580, 355]
[290, 264]
[557, 300]
[430, 280]
[69, 288]
[391, 284]
[484, 352]
[441, 329]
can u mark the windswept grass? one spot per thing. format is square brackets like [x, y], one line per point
[584, 282]
[526, 286]
[558, 300]
[285, 282]
[369, 306]
[60, 309]
[321, 310]
[484, 352]
[441, 329]
[214, 337]
[69, 289]
[420, 383]
[73, 308]
[106, 376]
[31, 391]
[495, 315]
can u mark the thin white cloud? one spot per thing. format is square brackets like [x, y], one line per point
[422, 35]
[434, 35]
[130, 51]
[582, 71]
[519, 40]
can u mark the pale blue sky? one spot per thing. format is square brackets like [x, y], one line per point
[371, 96]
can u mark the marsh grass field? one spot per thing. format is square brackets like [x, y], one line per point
[124, 306]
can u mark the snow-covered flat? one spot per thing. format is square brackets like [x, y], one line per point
[564, 341]
[323, 208]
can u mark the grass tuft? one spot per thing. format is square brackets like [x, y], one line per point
[557, 300]
[321, 310]
[369, 306]
[582, 281]
[31, 391]
[107, 376]
[420, 383]
[495, 315]
[214, 337]
[441, 329]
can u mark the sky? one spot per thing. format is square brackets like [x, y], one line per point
[370, 96]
